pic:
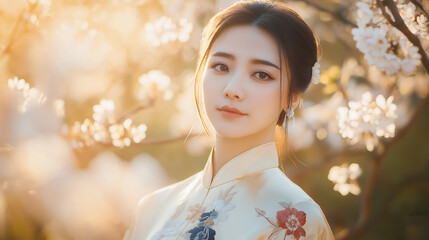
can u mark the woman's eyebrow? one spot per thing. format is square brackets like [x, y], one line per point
[265, 62]
[254, 61]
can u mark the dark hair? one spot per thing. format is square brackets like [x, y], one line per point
[295, 40]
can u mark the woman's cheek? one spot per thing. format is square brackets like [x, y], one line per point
[268, 103]
[213, 86]
[209, 92]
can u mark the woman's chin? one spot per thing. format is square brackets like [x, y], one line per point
[235, 131]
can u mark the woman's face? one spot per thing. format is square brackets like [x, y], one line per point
[242, 72]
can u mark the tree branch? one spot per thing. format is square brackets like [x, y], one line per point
[410, 181]
[136, 110]
[169, 139]
[337, 13]
[399, 24]
[165, 140]
[415, 2]
[366, 206]
[330, 159]
[18, 22]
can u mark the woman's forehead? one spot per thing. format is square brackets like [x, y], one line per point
[247, 42]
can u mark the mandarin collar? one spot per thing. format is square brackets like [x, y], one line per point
[253, 160]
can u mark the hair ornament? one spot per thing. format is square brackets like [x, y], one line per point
[315, 75]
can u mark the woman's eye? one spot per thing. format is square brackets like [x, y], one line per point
[263, 75]
[220, 67]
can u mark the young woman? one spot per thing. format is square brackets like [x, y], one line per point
[255, 62]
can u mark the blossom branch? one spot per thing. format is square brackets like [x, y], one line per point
[337, 13]
[411, 181]
[88, 152]
[169, 139]
[330, 159]
[12, 36]
[399, 24]
[136, 110]
[403, 131]
[366, 206]
[415, 2]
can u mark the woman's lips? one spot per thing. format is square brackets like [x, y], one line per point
[231, 115]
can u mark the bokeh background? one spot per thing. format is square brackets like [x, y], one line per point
[97, 110]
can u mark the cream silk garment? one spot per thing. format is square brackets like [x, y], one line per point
[249, 198]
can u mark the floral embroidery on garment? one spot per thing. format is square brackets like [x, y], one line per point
[171, 227]
[207, 220]
[204, 230]
[195, 212]
[288, 219]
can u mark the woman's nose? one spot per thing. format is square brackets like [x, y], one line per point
[233, 88]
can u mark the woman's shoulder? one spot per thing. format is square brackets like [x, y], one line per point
[279, 186]
[149, 205]
[282, 199]
[171, 190]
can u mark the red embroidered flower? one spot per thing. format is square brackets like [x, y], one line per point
[292, 220]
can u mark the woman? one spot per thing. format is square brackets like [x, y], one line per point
[255, 62]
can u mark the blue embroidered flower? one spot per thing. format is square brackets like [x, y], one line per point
[208, 216]
[204, 231]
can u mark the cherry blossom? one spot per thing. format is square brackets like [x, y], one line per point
[367, 120]
[345, 177]
[153, 84]
[164, 30]
[25, 94]
[376, 39]
[104, 129]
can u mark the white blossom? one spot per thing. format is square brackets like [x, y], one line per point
[105, 130]
[123, 134]
[375, 37]
[164, 30]
[104, 111]
[367, 120]
[345, 177]
[153, 84]
[26, 95]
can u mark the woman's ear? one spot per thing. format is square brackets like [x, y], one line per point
[295, 101]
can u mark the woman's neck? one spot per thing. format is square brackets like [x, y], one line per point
[227, 148]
